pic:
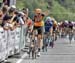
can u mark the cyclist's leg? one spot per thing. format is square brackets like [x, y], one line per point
[51, 31]
[40, 39]
[44, 42]
[49, 34]
[54, 33]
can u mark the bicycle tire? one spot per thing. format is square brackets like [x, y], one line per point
[33, 53]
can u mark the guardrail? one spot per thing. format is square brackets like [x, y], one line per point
[11, 42]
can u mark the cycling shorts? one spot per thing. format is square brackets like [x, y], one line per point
[39, 29]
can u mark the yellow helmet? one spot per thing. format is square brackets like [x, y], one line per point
[38, 11]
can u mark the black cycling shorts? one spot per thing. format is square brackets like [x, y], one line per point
[54, 29]
[39, 29]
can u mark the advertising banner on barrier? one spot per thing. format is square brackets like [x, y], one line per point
[6, 40]
[0, 44]
[3, 44]
[0, 47]
[22, 38]
[17, 39]
[11, 42]
[24, 33]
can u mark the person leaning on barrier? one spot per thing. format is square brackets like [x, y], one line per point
[4, 14]
[26, 12]
[9, 19]
[26, 17]
[6, 20]
[21, 18]
[6, 2]
[27, 20]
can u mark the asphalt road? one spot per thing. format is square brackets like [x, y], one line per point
[63, 52]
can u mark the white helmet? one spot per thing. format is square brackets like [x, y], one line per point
[48, 18]
[13, 6]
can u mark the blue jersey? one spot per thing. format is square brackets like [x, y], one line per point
[48, 25]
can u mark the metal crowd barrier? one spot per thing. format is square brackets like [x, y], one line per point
[11, 42]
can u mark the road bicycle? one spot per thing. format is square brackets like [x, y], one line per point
[33, 45]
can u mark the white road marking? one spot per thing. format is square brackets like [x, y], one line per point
[20, 60]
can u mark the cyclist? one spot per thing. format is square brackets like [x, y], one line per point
[70, 26]
[70, 35]
[38, 25]
[55, 24]
[74, 29]
[62, 29]
[48, 30]
[66, 27]
[48, 25]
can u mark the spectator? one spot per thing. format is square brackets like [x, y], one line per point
[6, 2]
